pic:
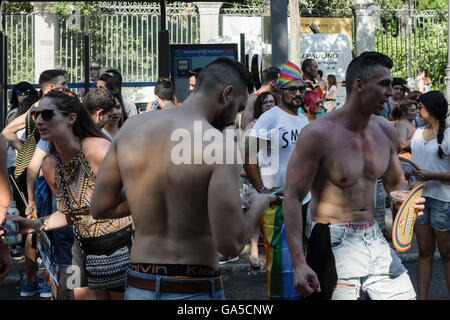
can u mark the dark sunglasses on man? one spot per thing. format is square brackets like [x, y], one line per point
[293, 90]
[46, 114]
[23, 93]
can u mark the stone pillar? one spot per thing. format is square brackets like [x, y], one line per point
[46, 39]
[209, 20]
[365, 14]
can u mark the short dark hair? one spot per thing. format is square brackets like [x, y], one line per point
[307, 63]
[49, 76]
[99, 98]
[118, 77]
[164, 89]
[320, 72]
[195, 72]
[362, 67]
[224, 71]
[398, 81]
[270, 74]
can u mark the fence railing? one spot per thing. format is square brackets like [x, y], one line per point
[125, 39]
[414, 39]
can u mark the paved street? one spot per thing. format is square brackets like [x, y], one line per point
[241, 284]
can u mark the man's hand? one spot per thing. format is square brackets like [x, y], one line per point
[5, 261]
[30, 209]
[420, 205]
[423, 175]
[305, 280]
[25, 225]
[398, 197]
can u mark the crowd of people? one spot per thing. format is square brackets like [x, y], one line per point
[126, 221]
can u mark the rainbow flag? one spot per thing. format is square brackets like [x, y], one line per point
[280, 274]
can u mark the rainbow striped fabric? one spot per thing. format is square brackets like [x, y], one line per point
[289, 72]
[280, 274]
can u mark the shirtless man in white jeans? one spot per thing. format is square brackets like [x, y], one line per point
[183, 213]
[340, 167]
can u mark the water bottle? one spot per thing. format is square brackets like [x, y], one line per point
[11, 228]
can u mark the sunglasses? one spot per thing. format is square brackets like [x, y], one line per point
[293, 90]
[46, 115]
[23, 93]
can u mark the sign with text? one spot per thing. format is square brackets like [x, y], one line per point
[328, 25]
[185, 57]
[333, 53]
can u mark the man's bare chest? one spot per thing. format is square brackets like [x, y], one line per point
[350, 158]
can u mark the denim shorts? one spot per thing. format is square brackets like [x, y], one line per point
[436, 214]
[365, 261]
[132, 293]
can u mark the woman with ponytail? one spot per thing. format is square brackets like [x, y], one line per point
[430, 146]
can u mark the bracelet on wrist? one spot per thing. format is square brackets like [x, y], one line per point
[43, 225]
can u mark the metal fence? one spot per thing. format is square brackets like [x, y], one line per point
[20, 33]
[125, 38]
[414, 39]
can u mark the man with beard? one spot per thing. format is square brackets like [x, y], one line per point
[278, 129]
[184, 211]
[340, 167]
[310, 69]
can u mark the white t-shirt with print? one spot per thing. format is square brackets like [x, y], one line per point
[282, 130]
[425, 155]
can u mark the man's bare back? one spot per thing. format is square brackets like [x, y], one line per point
[350, 163]
[169, 202]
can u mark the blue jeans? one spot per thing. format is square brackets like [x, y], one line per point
[61, 239]
[436, 214]
[132, 293]
[365, 261]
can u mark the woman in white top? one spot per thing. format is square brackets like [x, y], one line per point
[331, 93]
[430, 150]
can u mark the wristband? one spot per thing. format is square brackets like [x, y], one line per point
[42, 227]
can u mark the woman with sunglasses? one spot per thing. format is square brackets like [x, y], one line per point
[430, 150]
[19, 92]
[312, 106]
[76, 151]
